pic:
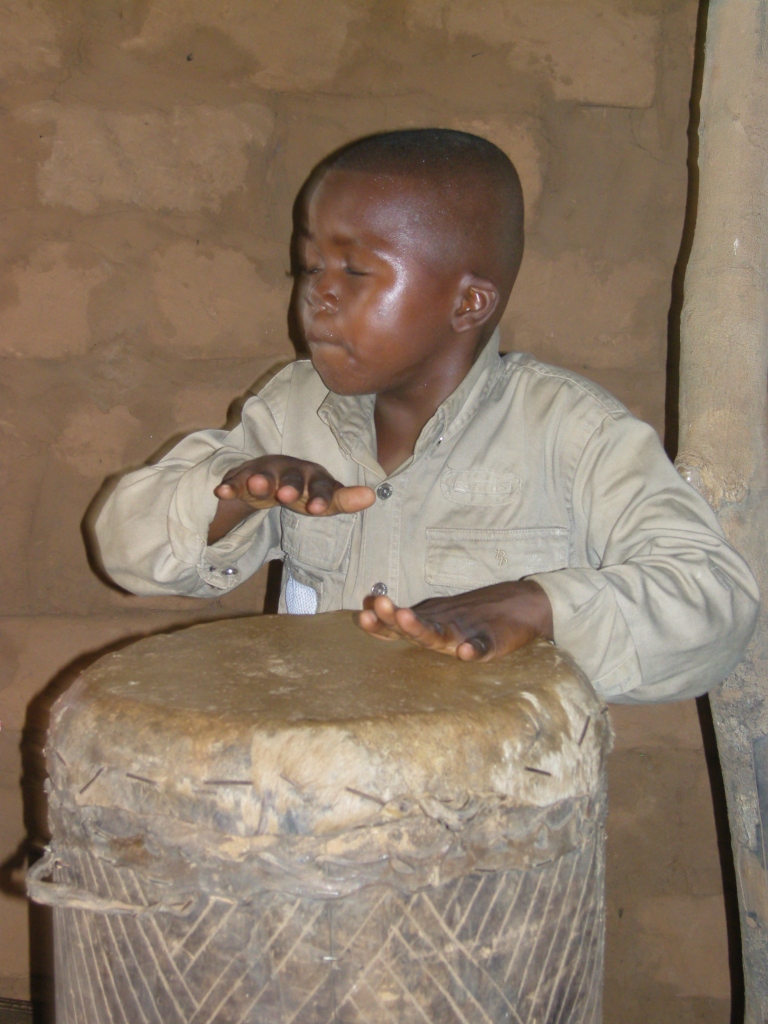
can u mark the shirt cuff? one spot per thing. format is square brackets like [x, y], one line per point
[194, 504]
[588, 623]
[218, 563]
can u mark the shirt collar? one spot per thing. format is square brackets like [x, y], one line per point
[350, 417]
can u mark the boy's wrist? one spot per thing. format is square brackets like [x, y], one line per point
[230, 512]
[528, 603]
[543, 609]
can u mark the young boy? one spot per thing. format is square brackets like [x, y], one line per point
[465, 501]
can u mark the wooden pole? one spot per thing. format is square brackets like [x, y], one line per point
[724, 413]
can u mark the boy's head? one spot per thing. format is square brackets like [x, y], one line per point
[407, 245]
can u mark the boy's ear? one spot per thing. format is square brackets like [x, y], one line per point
[477, 301]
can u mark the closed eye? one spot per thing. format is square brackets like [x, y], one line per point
[353, 272]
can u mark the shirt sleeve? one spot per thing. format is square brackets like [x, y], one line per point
[669, 607]
[152, 531]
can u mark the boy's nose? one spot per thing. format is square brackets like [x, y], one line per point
[321, 295]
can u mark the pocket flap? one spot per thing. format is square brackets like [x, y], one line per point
[321, 542]
[475, 558]
[479, 486]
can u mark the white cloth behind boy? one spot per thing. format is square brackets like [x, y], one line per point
[525, 470]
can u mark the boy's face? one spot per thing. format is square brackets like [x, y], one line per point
[375, 295]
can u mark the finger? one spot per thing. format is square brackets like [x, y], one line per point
[351, 499]
[432, 635]
[226, 491]
[384, 621]
[466, 652]
[320, 491]
[240, 485]
[383, 618]
[385, 610]
[405, 623]
[409, 622]
[369, 622]
[291, 485]
[259, 485]
[287, 494]
[476, 648]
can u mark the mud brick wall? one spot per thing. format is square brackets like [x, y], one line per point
[150, 151]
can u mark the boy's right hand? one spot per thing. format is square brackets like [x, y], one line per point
[303, 487]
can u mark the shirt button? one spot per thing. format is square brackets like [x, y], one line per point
[379, 589]
[384, 491]
[229, 571]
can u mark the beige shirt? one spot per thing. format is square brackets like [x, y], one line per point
[525, 470]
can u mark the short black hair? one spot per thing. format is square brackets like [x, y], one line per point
[414, 150]
[474, 176]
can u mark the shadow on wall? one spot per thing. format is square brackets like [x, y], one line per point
[671, 412]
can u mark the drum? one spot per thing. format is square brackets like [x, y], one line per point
[280, 820]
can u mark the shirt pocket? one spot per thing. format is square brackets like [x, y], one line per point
[476, 558]
[318, 542]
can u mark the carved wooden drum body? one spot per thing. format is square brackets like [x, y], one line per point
[275, 820]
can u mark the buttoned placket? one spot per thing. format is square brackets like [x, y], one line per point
[375, 563]
[375, 555]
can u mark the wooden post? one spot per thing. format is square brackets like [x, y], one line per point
[723, 410]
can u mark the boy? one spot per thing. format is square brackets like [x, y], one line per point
[465, 501]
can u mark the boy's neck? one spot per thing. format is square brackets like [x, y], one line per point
[400, 417]
[397, 430]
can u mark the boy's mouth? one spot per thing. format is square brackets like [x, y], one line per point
[315, 340]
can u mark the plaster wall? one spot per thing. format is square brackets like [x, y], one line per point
[150, 155]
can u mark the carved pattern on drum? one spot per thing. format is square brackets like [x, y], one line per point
[519, 947]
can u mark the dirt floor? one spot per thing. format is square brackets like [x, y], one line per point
[667, 954]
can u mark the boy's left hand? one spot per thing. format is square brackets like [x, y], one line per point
[478, 625]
